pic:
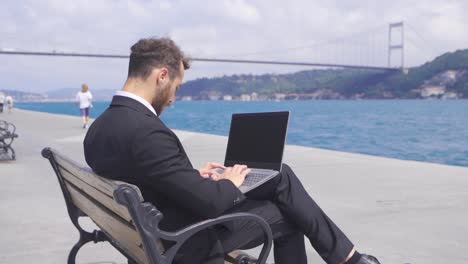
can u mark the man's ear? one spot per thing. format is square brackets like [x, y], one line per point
[163, 75]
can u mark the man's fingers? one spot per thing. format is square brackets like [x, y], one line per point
[212, 165]
[204, 173]
[236, 174]
[239, 168]
[207, 172]
[215, 165]
[246, 171]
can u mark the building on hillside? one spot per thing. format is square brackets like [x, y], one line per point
[432, 91]
[245, 97]
[279, 96]
[213, 97]
[254, 96]
[450, 75]
[450, 96]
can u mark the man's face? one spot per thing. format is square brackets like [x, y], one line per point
[166, 94]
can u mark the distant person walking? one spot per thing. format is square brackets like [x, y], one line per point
[84, 98]
[2, 101]
[9, 103]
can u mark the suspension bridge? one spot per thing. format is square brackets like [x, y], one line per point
[364, 50]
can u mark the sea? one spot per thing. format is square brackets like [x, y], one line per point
[423, 130]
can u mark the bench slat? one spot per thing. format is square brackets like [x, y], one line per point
[126, 238]
[87, 175]
[98, 194]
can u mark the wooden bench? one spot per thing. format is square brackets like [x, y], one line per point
[7, 135]
[126, 221]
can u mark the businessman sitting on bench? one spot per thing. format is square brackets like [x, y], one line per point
[129, 142]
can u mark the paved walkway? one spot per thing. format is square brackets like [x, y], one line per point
[400, 211]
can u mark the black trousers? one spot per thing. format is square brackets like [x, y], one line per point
[292, 214]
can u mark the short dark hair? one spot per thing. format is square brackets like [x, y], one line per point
[151, 53]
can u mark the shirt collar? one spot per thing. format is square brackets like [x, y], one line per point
[137, 98]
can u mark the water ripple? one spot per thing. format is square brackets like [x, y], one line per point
[432, 131]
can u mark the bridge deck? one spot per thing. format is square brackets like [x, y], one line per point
[290, 63]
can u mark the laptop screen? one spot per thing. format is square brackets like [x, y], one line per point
[257, 140]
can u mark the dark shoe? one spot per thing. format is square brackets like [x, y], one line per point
[368, 259]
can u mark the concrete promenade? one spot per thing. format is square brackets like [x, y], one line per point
[399, 211]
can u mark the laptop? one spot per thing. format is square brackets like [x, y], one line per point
[257, 140]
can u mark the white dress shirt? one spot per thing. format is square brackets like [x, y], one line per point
[138, 98]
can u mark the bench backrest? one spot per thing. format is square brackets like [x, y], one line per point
[7, 127]
[94, 197]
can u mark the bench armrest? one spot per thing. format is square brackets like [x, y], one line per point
[146, 218]
[186, 233]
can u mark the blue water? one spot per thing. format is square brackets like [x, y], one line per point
[432, 131]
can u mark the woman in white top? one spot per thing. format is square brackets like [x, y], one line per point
[9, 103]
[84, 97]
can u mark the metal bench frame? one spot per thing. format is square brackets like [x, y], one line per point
[146, 218]
[7, 135]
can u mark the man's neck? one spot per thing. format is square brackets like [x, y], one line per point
[139, 88]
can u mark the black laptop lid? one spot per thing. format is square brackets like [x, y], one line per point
[257, 140]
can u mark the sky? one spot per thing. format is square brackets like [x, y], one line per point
[344, 32]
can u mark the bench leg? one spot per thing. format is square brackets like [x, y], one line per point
[13, 156]
[243, 259]
[6, 150]
[239, 257]
[73, 252]
[85, 237]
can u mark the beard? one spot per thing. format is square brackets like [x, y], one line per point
[162, 99]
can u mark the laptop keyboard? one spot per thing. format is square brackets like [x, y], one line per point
[253, 177]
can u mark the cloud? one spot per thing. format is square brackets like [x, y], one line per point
[449, 27]
[165, 5]
[241, 11]
[197, 40]
[347, 31]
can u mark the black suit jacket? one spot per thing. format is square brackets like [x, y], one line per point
[130, 143]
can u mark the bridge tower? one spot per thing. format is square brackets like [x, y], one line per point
[399, 46]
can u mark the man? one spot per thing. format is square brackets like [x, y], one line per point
[129, 142]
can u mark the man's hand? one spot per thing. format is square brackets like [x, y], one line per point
[208, 170]
[235, 174]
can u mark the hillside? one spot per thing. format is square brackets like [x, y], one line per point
[23, 96]
[70, 93]
[63, 94]
[444, 77]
